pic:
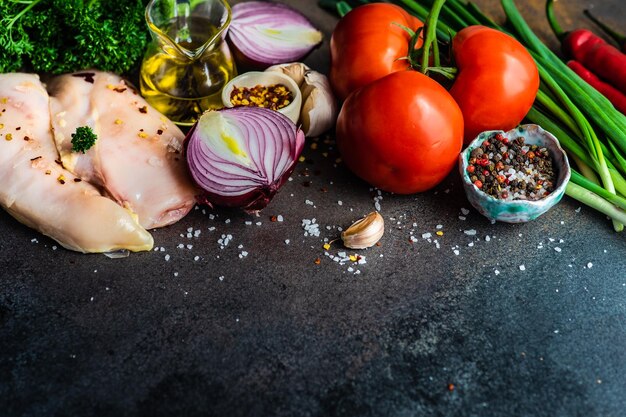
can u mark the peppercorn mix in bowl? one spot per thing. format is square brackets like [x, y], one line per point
[272, 90]
[514, 176]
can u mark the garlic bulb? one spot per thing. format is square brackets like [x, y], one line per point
[319, 106]
[364, 233]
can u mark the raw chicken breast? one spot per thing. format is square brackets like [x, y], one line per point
[37, 191]
[137, 157]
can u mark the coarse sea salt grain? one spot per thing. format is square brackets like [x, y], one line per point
[557, 249]
[496, 272]
[522, 268]
[279, 218]
[465, 211]
[221, 278]
[311, 228]
[196, 258]
[470, 232]
[167, 258]
[287, 241]
[426, 235]
[589, 265]
[456, 252]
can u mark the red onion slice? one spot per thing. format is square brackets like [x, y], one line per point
[241, 156]
[270, 33]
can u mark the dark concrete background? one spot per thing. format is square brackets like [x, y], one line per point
[419, 332]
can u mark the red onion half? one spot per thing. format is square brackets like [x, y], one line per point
[241, 156]
[270, 33]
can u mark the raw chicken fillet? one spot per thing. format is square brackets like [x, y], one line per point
[39, 192]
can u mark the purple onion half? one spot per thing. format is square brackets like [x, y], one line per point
[265, 33]
[241, 156]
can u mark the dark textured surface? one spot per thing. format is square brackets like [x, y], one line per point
[279, 335]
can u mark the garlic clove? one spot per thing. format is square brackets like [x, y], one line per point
[319, 106]
[364, 233]
[294, 70]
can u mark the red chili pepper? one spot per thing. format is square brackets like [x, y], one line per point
[593, 52]
[618, 37]
[615, 96]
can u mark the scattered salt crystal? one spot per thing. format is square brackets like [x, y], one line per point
[557, 249]
[196, 258]
[308, 202]
[221, 277]
[54, 248]
[190, 229]
[34, 240]
[462, 218]
[465, 211]
[279, 218]
[227, 221]
[589, 265]
[350, 269]
[487, 238]
[456, 252]
[340, 203]
[167, 258]
[426, 235]
[211, 229]
[287, 241]
[180, 246]
[190, 247]
[175, 274]
[471, 244]
[259, 223]
[470, 232]
[162, 249]
[197, 233]
[522, 268]
[413, 239]
[248, 223]
[211, 216]
[438, 227]
[496, 272]
[578, 209]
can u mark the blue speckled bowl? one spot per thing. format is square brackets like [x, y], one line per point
[517, 211]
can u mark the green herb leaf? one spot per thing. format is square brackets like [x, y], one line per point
[83, 139]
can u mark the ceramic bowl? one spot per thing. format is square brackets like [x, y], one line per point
[254, 78]
[517, 211]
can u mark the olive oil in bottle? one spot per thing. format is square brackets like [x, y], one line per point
[185, 68]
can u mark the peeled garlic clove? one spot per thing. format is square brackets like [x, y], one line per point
[364, 233]
[319, 106]
[293, 70]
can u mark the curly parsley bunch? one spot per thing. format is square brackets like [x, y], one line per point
[59, 36]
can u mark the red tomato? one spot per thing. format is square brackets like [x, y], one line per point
[367, 44]
[497, 80]
[402, 133]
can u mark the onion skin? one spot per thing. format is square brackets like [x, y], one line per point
[255, 50]
[286, 137]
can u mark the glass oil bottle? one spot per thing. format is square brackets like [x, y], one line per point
[188, 61]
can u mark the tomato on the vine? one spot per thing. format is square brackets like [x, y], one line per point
[497, 80]
[369, 43]
[401, 133]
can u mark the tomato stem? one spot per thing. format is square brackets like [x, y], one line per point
[431, 33]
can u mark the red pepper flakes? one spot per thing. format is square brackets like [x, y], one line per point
[318, 261]
[451, 387]
[273, 219]
[274, 97]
